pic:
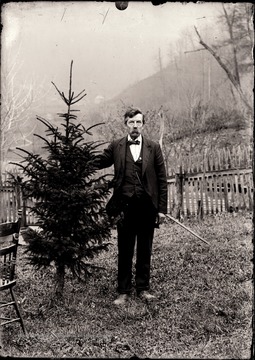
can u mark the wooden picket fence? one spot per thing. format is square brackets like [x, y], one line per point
[210, 183]
[10, 202]
[13, 171]
[238, 157]
[210, 193]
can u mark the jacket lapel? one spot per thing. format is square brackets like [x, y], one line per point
[146, 154]
[122, 152]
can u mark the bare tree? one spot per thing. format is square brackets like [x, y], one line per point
[14, 116]
[238, 46]
[16, 101]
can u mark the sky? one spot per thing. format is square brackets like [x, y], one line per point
[111, 49]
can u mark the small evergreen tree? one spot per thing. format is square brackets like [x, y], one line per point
[70, 200]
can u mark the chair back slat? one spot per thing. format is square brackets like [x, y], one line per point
[9, 240]
[7, 263]
[9, 232]
[9, 228]
[9, 236]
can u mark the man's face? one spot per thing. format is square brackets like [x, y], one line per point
[135, 125]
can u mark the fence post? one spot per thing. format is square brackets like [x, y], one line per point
[200, 210]
[24, 214]
[21, 202]
[179, 193]
[226, 195]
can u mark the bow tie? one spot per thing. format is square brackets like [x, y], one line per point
[133, 142]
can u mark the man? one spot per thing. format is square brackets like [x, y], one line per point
[139, 201]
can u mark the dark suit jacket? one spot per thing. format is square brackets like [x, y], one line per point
[153, 169]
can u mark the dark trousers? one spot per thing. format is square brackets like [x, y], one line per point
[137, 226]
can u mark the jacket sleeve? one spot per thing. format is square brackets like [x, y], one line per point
[162, 180]
[105, 159]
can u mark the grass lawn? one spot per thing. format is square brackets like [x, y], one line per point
[204, 306]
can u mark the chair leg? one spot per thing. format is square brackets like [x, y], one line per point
[17, 310]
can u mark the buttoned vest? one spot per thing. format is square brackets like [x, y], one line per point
[132, 182]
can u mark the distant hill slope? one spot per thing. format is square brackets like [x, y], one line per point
[193, 76]
[192, 152]
[198, 76]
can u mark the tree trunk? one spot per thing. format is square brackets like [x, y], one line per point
[59, 281]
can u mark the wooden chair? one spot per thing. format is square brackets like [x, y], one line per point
[9, 238]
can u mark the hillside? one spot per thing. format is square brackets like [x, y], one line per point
[197, 76]
[226, 138]
[178, 88]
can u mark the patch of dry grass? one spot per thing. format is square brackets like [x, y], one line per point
[203, 311]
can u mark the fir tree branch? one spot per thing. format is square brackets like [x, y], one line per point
[78, 141]
[25, 151]
[18, 164]
[75, 97]
[45, 122]
[74, 102]
[71, 116]
[70, 81]
[100, 144]
[60, 94]
[71, 98]
[26, 170]
[91, 127]
[45, 140]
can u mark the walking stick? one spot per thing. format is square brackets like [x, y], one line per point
[185, 227]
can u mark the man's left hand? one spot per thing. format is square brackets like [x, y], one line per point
[160, 218]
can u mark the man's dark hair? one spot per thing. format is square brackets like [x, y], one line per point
[131, 112]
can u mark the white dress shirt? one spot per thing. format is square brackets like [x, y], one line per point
[135, 149]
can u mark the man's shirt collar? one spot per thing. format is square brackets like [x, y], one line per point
[138, 138]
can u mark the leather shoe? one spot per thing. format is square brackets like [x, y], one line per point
[145, 295]
[121, 299]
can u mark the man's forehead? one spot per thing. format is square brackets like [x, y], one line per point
[136, 117]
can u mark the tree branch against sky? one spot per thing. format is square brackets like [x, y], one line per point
[17, 99]
[239, 39]
[14, 116]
